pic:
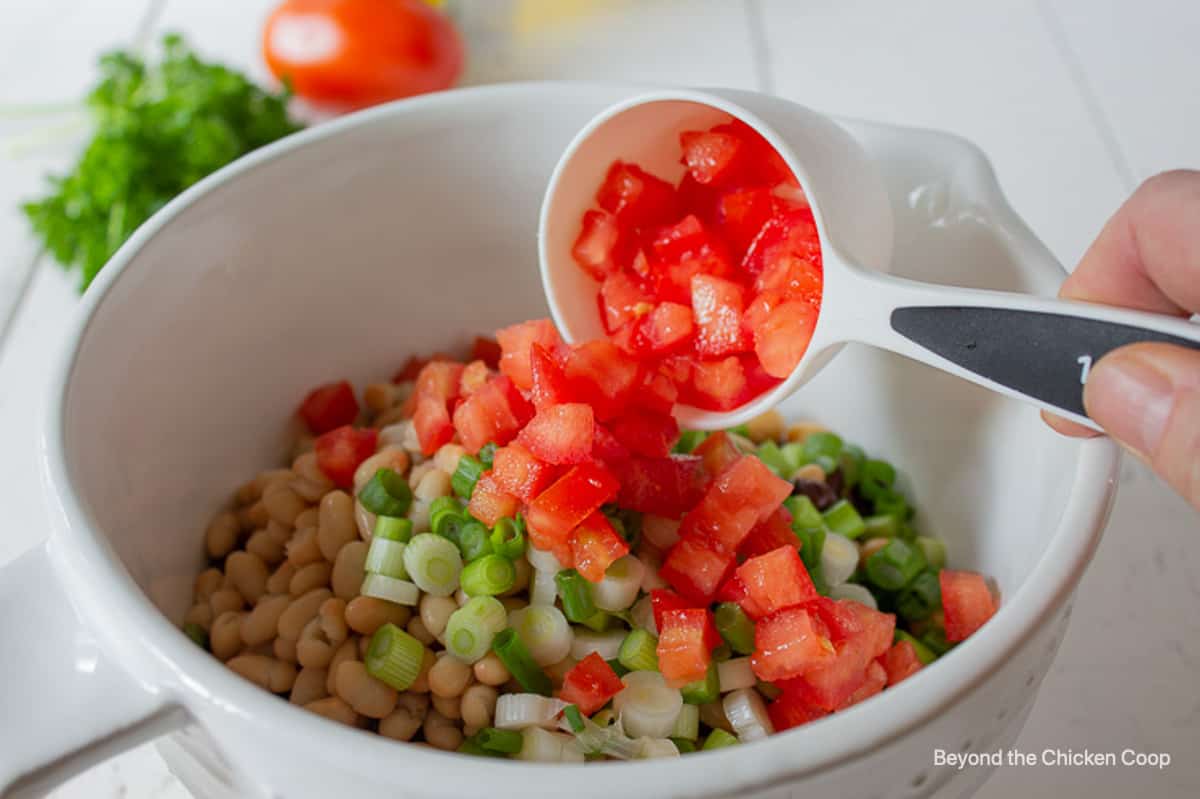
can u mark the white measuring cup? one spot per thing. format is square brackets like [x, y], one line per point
[1032, 348]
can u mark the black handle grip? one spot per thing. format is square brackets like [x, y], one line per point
[1043, 355]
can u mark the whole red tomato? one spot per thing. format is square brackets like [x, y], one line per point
[356, 53]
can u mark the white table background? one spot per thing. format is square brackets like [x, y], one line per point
[1076, 101]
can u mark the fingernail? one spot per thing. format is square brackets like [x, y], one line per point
[1131, 399]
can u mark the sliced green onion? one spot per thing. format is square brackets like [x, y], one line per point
[703, 691]
[446, 518]
[433, 563]
[876, 474]
[515, 656]
[576, 595]
[936, 640]
[493, 739]
[892, 503]
[769, 453]
[508, 539]
[473, 540]
[793, 456]
[742, 430]
[722, 652]
[543, 746]
[804, 513]
[822, 445]
[921, 598]
[197, 634]
[718, 739]
[466, 475]
[386, 557]
[518, 711]
[934, 551]
[924, 653]
[386, 493]
[747, 714]
[490, 575]
[839, 559]
[684, 746]
[574, 718]
[859, 593]
[895, 566]
[842, 518]
[545, 630]
[472, 628]
[687, 724]
[689, 440]
[606, 644]
[470, 746]
[647, 705]
[619, 588]
[883, 525]
[394, 657]
[735, 627]
[392, 528]
[850, 465]
[735, 674]
[598, 621]
[617, 667]
[639, 651]
[380, 586]
[487, 454]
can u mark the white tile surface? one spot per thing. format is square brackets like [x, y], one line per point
[996, 73]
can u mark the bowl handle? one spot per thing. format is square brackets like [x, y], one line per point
[64, 704]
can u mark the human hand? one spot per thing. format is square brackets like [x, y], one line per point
[1147, 396]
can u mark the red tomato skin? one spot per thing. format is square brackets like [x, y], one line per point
[560, 434]
[341, 450]
[489, 503]
[966, 602]
[788, 644]
[662, 486]
[368, 51]
[567, 502]
[746, 493]
[515, 344]
[773, 532]
[696, 569]
[518, 472]
[789, 710]
[777, 580]
[329, 406]
[685, 644]
[900, 662]
[839, 617]
[663, 600]
[606, 448]
[734, 590]
[596, 545]
[590, 684]
[486, 350]
[646, 433]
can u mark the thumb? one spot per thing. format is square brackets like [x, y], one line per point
[1147, 396]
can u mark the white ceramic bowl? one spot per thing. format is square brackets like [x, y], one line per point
[409, 228]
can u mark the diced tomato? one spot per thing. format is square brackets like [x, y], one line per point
[521, 407]
[697, 198]
[878, 628]
[630, 338]
[782, 338]
[409, 371]
[718, 305]
[690, 240]
[606, 447]
[696, 569]
[746, 493]
[439, 379]
[686, 639]
[663, 600]
[568, 501]
[474, 375]
[710, 155]
[833, 684]
[773, 532]
[742, 213]
[874, 680]
[658, 394]
[560, 434]
[777, 580]
[622, 301]
[901, 662]
[667, 327]
[549, 384]
[718, 453]
[789, 644]
[489, 503]
[839, 617]
[589, 684]
[603, 376]
[437, 385]
[792, 278]
[763, 163]
[790, 710]
[757, 379]
[792, 234]
[329, 406]
[596, 545]
[645, 432]
[600, 245]
[662, 486]
[486, 416]
[718, 384]
[634, 196]
[515, 343]
[966, 602]
[486, 350]
[734, 590]
[517, 472]
[341, 450]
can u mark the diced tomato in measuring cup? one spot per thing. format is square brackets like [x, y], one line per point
[773, 532]
[663, 486]
[900, 662]
[686, 639]
[600, 247]
[782, 338]
[696, 568]
[560, 434]
[741, 496]
[329, 406]
[602, 376]
[486, 416]
[568, 501]
[341, 450]
[789, 235]
[966, 601]
[789, 710]
[589, 684]
[622, 301]
[515, 342]
[645, 432]
[518, 472]
[489, 503]
[788, 644]
[596, 545]
[777, 580]
[635, 197]
[718, 305]
[667, 327]
[742, 213]
[710, 156]
[718, 452]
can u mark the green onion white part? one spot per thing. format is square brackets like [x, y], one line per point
[735, 673]
[544, 631]
[518, 711]
[542, 746]
[543, 590]
[660, 531]
[543, 560]
[620, 586]
[606, 644]
[859, 593]
[471, 629]
[387, 558]
[433, 563]
[747, 715]
[642, 615]
[638, 651]
[650, 748]
[647, 706]
[839, 559]
[380, 586]
[687, 725]
[650, 577]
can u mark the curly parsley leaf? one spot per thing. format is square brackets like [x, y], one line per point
[158, 128]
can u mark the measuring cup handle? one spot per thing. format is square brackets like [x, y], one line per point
[1036, 349]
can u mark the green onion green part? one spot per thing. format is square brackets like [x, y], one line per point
[576, 595]
[921, 598]
[508, 539]
[617, 667]
[507, 742]
[735, 627]
[718, 739]
[516, 658]
[446, 518]
[934, 550]
[473, 540]
[684, 746]
[689, 440]
[895, 566]
[386, 557]
[386, 493]
[804, 513]
[770, 454]
[639, 651]
[487, 454]
[197, 634]
[490, 575]
[598, 621]
[841, 517]
[394, 657]
[466, 475]
[823, 445]
[701, 692]
[472, 628]
[574, 718]
[924, 653]
[884, 525]
[393, 528]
